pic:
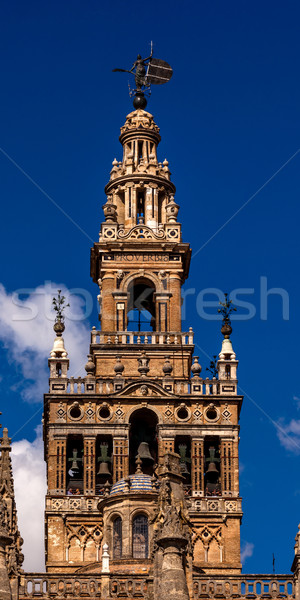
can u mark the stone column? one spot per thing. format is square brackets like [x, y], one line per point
[173, 584]
[5, 590]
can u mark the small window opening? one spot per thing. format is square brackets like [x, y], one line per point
[140, 537]
[140, 150]
[117, 538]
[140, 208]
[227, 371]
[58, 369]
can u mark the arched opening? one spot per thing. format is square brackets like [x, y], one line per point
[140, 541]
[75, 464]
[143, 440]
[212, 466]
[141, 306]
[117, 538]
[104, 449]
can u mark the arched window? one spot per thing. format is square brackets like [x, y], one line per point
[117, 538]
[141, 306]
[140, 537]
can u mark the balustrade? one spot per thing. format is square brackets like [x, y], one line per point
[244, 586]
[47, 585]
[81, 586]
[142, 337]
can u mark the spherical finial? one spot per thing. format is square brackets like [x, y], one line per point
[139, 101]
[167, 367]
[118, 367]
[90, 366]
[196, 367]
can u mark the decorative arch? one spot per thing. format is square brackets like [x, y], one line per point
[138, 407]
[141, 274]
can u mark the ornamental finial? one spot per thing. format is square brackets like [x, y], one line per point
[59, 306]
[226, 310]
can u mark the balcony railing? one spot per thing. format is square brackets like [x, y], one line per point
[244, 586]
[142, 337]
[44, 585]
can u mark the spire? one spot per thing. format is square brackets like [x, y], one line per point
[11, 557]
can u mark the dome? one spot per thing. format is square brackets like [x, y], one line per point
[138, 483]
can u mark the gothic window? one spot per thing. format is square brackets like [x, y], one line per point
[140, 537]
[117, 538]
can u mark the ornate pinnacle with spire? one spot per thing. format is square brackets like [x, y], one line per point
[226, 310]
[59, 306]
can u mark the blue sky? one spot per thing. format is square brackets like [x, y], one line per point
[229, 122]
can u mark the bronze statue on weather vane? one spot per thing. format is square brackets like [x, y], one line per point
[147, 71]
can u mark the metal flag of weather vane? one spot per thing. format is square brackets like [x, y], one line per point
[147, 71]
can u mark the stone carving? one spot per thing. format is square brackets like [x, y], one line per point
[143, 367]
[226, 414]
[141, 232]
[110, 210]
[61, 413]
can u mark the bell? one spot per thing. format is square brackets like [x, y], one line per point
[212, 469]
[144, 452]
[74, 464]
[103, 469]
[183, 468]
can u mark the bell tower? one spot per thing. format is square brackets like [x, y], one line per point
[143, 397]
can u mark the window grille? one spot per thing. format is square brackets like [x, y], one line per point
[117, 538]
[140, 537]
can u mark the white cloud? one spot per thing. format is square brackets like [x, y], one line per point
[246, 551]
[26, 331]
[289, 435]
[29, 473]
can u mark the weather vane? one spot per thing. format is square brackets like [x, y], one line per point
[147, 71]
